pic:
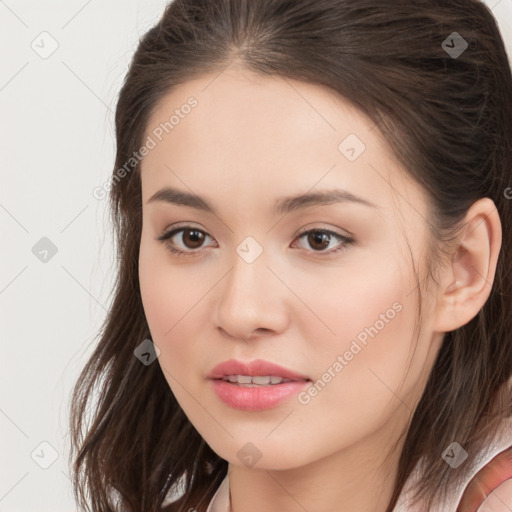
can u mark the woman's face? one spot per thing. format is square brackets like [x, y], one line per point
[260, 280]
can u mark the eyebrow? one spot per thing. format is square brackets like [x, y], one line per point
[284, 205]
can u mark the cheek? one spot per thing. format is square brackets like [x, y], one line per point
[361, 365]
[168, 291]
[172, 297]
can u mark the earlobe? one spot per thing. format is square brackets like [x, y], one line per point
[467, 280]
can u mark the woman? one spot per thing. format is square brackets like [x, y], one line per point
[312, 311]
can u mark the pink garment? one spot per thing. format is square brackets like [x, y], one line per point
[220, 500]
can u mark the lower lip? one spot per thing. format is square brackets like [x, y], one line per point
[257, 398]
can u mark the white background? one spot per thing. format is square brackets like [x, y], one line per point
[57, 145]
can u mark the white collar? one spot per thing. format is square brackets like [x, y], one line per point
[220, 500]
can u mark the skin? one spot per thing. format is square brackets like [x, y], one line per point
[250, 141]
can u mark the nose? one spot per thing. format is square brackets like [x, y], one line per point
[253, 301]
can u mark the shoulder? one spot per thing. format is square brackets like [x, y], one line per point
[490, 490]
[500, 500]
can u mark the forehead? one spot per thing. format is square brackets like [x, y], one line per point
[246, 132]
[251, 113]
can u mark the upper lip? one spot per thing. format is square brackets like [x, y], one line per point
[253, 368]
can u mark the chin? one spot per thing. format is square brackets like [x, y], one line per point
[262, 455]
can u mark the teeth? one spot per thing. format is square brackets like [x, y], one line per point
[259, 380]
[263, 381]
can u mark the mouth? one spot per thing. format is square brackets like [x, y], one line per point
[256, 380]
[255, 386]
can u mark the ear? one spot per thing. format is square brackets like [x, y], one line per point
[466, 283]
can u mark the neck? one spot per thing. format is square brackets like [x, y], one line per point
[360, 477]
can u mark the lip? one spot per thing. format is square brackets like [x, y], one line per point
[253, 368]
[255, 398]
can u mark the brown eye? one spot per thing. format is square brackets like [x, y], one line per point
[192, 238]
[318, 240]
[188, 243]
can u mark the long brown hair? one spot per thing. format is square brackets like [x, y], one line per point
[448, 119]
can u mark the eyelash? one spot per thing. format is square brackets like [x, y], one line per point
[165, 239]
